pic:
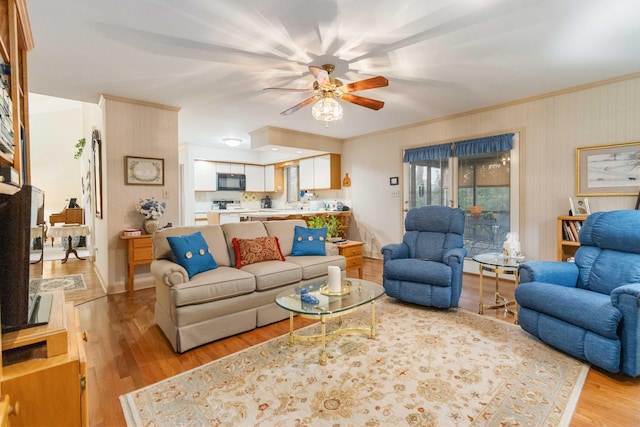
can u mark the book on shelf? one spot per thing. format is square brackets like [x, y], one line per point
[567, 232]
[572, 226]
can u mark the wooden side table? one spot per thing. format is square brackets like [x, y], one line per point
[140, 252]
[352, 251]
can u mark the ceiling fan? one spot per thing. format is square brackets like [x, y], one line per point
[327, 89]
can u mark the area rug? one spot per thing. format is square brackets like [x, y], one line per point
[426, 367]
[72, 282]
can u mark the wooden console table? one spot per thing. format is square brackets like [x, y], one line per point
[140, 252]
[352, 251]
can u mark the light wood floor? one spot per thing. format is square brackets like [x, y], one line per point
[126, 350]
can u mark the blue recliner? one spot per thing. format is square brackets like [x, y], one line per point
[426, 268]
[590, 309]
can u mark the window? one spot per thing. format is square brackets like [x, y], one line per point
[292, 183]
[475, 175]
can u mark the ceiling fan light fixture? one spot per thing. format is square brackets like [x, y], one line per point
[327, 109]
[232, 142]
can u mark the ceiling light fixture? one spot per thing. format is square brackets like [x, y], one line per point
[232, 142]
[327, 108]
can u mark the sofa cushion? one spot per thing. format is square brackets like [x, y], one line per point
[315, 266]
[589, 310]
[213, 285]
[251, 251]
[309, 241]
[192, 252]
[273, 274]
[418, 271]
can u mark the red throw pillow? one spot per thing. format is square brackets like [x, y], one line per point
[250, 251]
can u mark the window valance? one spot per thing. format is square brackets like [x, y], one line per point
[469, 147]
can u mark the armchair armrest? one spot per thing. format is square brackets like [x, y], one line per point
[395, 251]
[168, 272]
[555, 272]
[454, 256]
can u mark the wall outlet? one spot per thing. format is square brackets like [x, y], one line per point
[165, 194]
[395, 193]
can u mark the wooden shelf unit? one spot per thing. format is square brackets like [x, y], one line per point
[51, 389]
[567, 248]
[16, 40]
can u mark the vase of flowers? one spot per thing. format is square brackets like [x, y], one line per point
[152, 210]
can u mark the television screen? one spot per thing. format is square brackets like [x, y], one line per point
[21, 233]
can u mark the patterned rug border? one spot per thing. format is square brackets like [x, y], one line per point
[132, 419]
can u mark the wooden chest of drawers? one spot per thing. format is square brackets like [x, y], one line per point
[352, 251]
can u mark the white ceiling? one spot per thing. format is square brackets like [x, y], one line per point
[213, 58]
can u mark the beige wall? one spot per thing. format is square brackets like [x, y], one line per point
[133, 128]
[551, 129]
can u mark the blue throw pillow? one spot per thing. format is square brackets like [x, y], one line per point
[192, 252]
[309, 241]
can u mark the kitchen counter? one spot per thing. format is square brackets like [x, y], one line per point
[214, 217]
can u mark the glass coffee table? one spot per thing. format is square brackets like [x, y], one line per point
[499, 264]
[355, 294]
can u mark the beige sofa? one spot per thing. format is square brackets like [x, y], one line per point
[225, 301]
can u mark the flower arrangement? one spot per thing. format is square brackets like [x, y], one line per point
[151, 208]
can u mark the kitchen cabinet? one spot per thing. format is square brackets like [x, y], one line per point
[204, 175]
[273, 178]
[230, 168]
[320, 172]
[15, 41]
[254, 178]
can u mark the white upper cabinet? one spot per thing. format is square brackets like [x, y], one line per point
[255, 178]
[230, 168]
[320, 173]
[270, 178]
[204, 176]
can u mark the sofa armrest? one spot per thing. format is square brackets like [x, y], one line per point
[168, 272]
[331, 248]
[554, 272]
[395, 251]
[626, 298]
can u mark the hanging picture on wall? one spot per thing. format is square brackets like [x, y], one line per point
[608, 170]
[96, 147]
[144, 171]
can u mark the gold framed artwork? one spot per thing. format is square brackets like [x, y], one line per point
[608, 170]
[144, 171]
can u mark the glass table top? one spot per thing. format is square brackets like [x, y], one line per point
[360, 292]
[498, 259]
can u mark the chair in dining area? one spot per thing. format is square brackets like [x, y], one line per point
[426, 267]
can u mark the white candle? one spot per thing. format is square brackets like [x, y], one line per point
[335, 282]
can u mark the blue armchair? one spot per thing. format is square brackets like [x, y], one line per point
[590, 309]
[426, 268]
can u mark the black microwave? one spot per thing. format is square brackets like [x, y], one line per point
[231, 182]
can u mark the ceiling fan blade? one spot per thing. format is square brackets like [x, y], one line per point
[288, 89]
[321, 76]
[299, 106]
[371, 83]
[362, 101]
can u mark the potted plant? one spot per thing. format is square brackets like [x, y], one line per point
[332, 223]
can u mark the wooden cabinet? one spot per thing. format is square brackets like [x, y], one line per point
[15, 41]
[352, 251]
[204, 175]
[567, 235]
[320, 172]
[50, 390]
[139, 252]
[254, 178]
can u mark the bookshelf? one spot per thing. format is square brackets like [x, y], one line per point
[568, 229]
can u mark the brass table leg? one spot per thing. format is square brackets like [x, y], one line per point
[291, 329]
[481, 305]
[323, 355]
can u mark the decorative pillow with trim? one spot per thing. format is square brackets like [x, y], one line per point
[309, 241]
[250, 251]
[192, 252]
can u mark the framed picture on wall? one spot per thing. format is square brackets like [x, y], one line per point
[144, 171]
[608, 170]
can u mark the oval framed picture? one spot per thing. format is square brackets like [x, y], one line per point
[144, 171]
